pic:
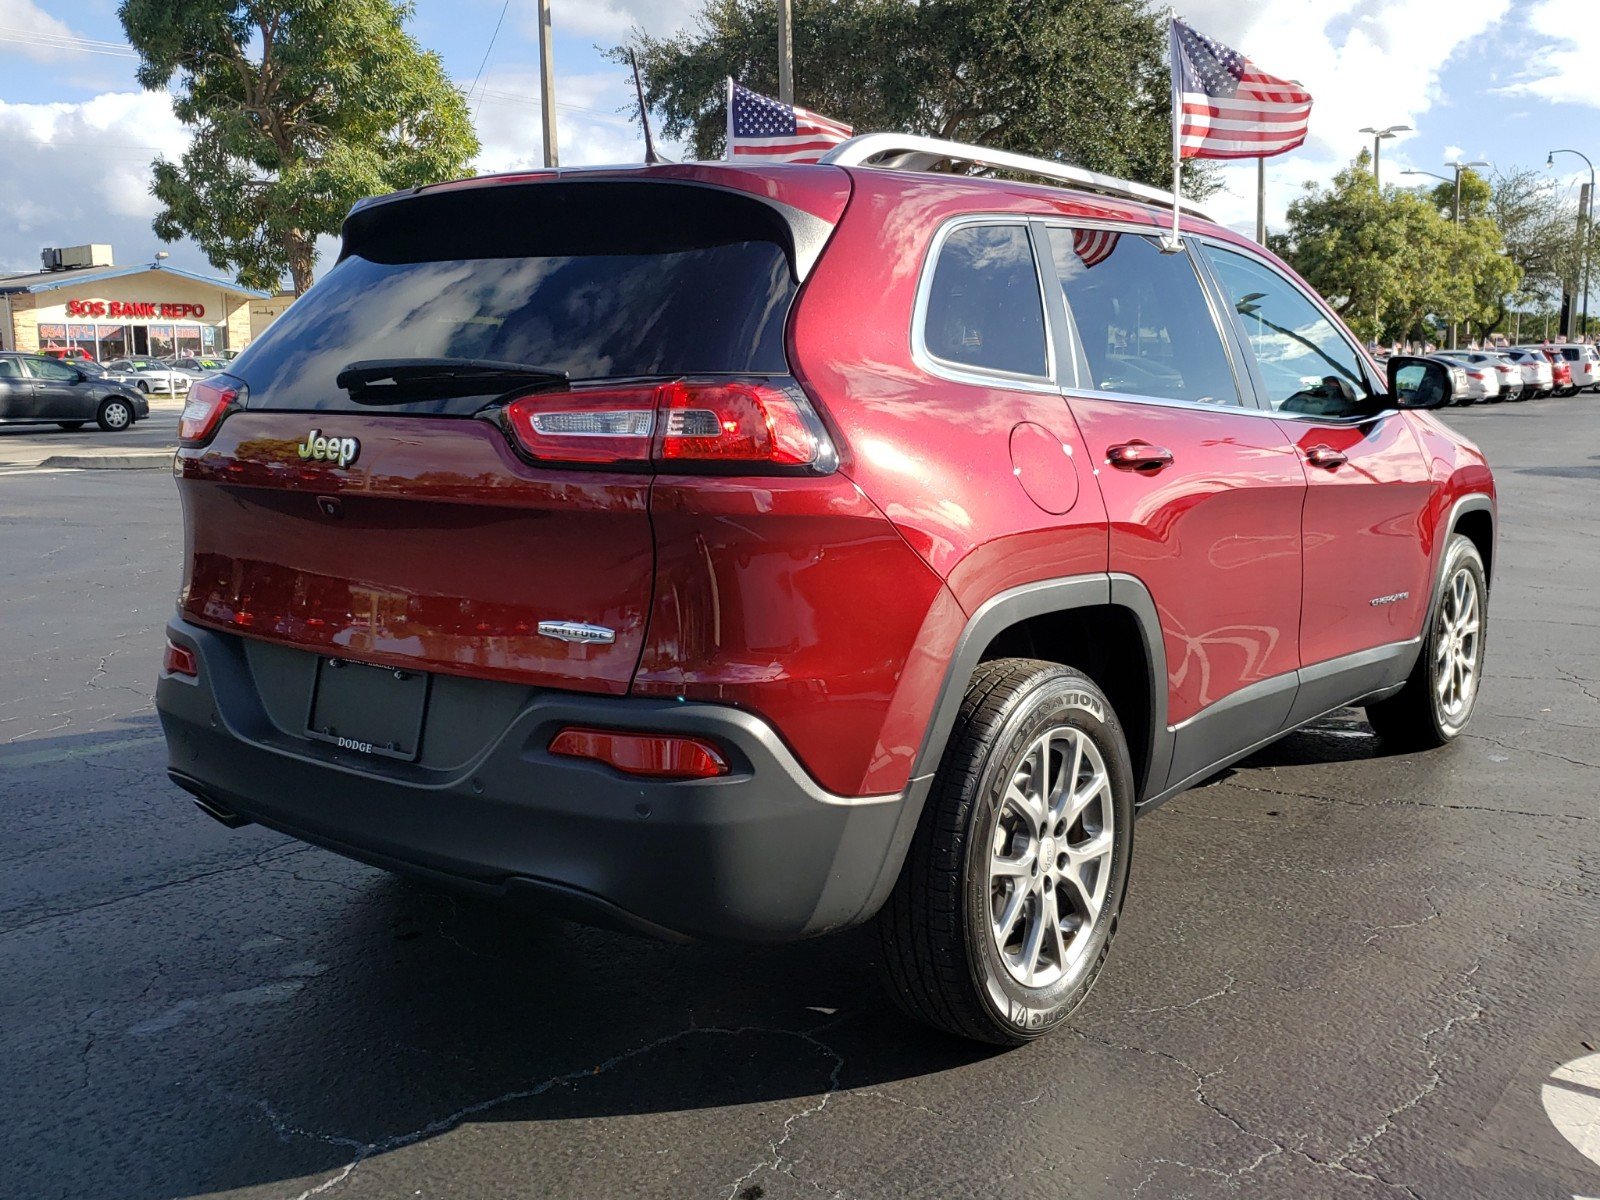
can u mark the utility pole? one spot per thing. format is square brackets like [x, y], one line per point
[547, 85]
[785, 53]
[1585, 209]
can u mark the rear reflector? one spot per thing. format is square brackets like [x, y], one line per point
[656, 756]
[209, 401]
[180, 660]
[743, 426]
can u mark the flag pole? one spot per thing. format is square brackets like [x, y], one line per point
[1261, 201]
[727, 150]
[1177, 130]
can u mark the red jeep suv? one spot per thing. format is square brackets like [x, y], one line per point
[747, 552]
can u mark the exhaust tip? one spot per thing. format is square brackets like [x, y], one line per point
[206, 804]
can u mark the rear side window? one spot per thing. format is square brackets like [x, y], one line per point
[602, 281]
[984, 309]
[1141, 317]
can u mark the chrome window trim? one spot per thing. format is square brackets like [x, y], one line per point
[943, 368]
[1237, 410]
[1362, 358]
[1244, 397]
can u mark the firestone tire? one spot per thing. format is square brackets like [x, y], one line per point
[1009, 897]
[1438, 699]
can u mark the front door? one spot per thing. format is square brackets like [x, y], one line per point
[1203, 493]
[60, 391]
[1367, 565]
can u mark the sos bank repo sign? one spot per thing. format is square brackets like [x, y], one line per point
[134, 308]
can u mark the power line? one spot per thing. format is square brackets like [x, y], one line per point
[488, 50]
[49, 40]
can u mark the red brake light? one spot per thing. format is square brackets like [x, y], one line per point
[180, 660]
[657, 756]
[209, 401]
[687, 425]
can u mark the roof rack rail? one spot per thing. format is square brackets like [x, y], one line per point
[911, 152]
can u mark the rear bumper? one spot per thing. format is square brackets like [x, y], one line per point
[762, 854]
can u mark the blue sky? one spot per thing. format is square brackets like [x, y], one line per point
[1500, 80]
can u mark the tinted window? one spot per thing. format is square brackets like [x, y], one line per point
[9, 369]
[1142, 318]
[984, 308]
[49, 368]
[1306, 363]
[599, 281]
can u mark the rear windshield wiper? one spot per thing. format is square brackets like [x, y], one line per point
[397, 380]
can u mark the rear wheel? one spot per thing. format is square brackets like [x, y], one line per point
[1011, 889]
[115, 415]
[1437, 701]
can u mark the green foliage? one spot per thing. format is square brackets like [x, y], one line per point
[1391, 260]
[1079, 81]
[298, 109]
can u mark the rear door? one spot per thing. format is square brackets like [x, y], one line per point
[16, 391]
[61, 393]
[431, 540]
[1203, 494]
[1367, 562]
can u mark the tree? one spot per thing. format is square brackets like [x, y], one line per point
[1079, 81]
[298, 109]
[1389, 260]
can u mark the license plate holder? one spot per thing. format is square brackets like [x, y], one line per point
[367, 709]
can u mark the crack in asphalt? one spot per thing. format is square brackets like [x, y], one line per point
[259, 861]
[775, 1160]
[1351, 803]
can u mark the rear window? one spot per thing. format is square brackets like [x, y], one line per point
[603, 281]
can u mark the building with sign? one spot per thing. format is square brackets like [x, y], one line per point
[83, 301]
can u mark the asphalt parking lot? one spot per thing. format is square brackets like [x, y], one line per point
[1340, 972]
[27, 447]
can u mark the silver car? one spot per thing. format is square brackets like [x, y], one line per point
[152, 376]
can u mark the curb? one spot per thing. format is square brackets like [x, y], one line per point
[142, 460]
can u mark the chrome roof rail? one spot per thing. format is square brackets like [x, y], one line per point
[910, 152]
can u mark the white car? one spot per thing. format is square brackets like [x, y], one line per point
[1482, 379]
[200, 365]
[1538, 379]
[1585, 364]
[152, 376]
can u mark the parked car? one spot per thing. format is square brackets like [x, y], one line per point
[198, 367]
[1483, 382]
[152, 376]
[1506, 375]
[74, 353]
[1584, 363]
[1560, 370]
[36, 390]
[1537, 377]
[747, 552]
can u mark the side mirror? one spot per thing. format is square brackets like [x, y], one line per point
[1419, 383]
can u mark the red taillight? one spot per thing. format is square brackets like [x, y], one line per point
[658, 756]
[685, 425]
[209, 401]
[180, 660]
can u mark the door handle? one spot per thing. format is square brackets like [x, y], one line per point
[1139, 456]
[1325, 457]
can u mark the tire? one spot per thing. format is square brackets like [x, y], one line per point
[115, 415]
[72, 426]
[1420, 716]
[143, 387]
[943, 961]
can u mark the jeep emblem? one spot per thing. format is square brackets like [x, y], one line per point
[339, 451]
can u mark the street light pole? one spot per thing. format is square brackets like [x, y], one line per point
[1455, 209]
[1377, 142]
[1588, 229]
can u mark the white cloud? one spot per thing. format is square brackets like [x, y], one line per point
[594, 122]
[1360, 62]
[612, 19]
[1566, 71]
[26, 18]
[81, 173]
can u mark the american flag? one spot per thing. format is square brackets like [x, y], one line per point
[1230, 108]
[1094, 246]
[765, 130]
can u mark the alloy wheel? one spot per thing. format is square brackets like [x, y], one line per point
[1455, 660]
[1050, 861]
